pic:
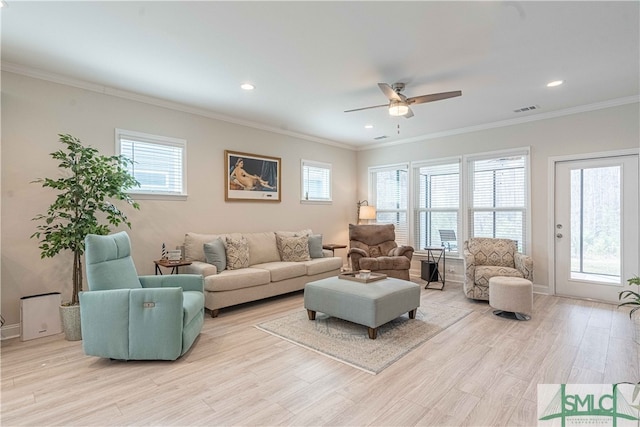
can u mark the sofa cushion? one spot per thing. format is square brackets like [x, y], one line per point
[237, 253]
[293, 249]
[488, 251]
[322, 265]
[294, 233]
[283, 270]
[216, 254]
[194, 244]
[315, 246]
[230, 280]
[485, 272]
[385, 263]
[262, 247]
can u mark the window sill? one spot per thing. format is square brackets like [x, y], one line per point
[316, 202]
[149, 196]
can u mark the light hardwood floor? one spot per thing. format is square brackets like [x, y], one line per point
[482, 371]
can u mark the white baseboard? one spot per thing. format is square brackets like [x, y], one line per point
[10, 331]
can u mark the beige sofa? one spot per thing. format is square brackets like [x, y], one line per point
[264, 274]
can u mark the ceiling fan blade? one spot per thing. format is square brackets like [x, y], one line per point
[433, 97]
[409, 114]
[366, 108]
[389, 92]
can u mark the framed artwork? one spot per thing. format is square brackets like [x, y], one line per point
[251, 177]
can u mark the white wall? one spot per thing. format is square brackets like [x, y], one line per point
[588, 132]
[34, 112]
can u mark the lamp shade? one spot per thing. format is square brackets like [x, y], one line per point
[367, 212]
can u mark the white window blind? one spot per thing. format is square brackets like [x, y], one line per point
[498, 202]
[390, 191]
[316, 181]
[159, 163]
[437, 205]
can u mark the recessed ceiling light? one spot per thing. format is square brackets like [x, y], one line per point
[555, 83]
[247, 86]
[368, 126]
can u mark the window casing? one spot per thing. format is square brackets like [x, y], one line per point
[389, 187]
[498, 197]
[436, 204]
[315, 181]
[483, 195]
[159, 163]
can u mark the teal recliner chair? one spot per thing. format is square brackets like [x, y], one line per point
[130, 317]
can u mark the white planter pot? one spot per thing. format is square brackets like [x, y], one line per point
[70, 316]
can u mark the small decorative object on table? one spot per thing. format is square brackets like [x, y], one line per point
[174, 256]
[164, 252]
[362, 276]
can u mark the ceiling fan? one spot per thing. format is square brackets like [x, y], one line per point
[399, 104]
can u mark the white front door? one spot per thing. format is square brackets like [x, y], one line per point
[596, 226]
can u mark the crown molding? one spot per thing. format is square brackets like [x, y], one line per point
[511, 122]
[158, 102]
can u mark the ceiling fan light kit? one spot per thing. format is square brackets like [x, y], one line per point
[399, 104]
[398, 108]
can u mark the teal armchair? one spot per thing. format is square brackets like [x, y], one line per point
[129, 317]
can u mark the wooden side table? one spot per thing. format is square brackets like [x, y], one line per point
[173, 265]
[332, 247]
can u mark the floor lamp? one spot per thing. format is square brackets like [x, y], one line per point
[366, 212]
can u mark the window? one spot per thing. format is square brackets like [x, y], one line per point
[498, 197]
[390, 189]
[316, 181]
[437, 204]
[491, 189]
[159, 163]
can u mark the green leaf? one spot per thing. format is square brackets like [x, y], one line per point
[88, 184]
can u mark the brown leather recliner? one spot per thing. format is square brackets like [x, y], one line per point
[373, 247]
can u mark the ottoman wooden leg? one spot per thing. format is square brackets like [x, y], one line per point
[412, 313]
[373, 332]
[311, 314]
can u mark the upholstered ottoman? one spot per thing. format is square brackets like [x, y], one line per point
[370, 304]
[511, 297]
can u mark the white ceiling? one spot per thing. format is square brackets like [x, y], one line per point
[310, 61]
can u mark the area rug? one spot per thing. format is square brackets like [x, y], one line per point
[349, 343]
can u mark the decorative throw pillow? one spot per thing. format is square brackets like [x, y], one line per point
[293, 249]
[237, 253]
[216, 254]
[315, 246]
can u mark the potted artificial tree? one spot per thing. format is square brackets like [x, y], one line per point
[632, 298]
[89, 181]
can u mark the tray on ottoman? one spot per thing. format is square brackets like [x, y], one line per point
[355, 276]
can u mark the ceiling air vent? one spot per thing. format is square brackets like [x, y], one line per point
[523, 109]
[378, 138]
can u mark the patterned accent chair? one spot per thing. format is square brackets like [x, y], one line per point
[485, 258]
[373, 247]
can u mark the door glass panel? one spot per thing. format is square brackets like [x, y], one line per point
[595, 224]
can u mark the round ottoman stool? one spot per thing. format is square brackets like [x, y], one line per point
[512, 297]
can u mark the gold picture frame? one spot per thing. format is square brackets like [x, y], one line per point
[251, 177]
